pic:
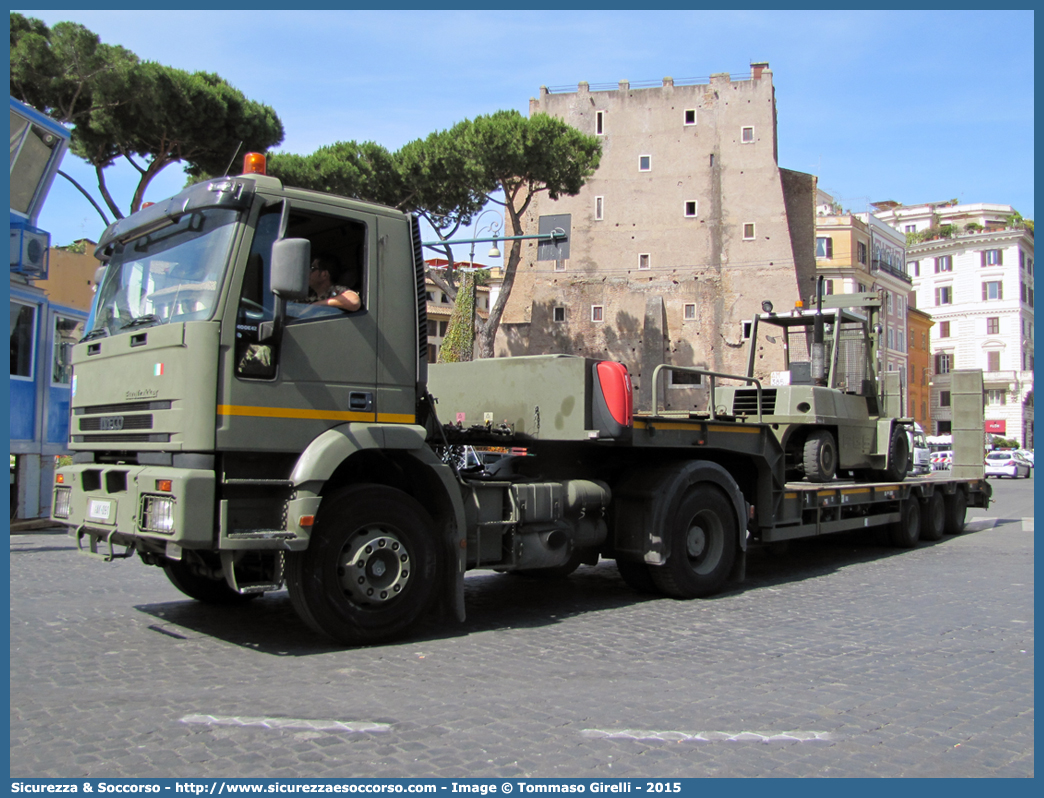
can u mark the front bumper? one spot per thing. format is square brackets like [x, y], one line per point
[163, 508]
[137, 502]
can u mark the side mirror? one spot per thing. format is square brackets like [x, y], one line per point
[291, 260]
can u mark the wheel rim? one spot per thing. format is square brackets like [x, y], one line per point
[374, 566]
[827, 458]
[704, 542]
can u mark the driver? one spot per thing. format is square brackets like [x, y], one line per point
[323, 291]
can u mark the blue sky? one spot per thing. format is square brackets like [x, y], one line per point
[912, 106]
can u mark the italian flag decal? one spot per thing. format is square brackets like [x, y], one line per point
[158, 370]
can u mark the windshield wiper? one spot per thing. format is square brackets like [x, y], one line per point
[98, 332]
[141, 321]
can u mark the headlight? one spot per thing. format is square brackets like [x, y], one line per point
[157, 514]
[62, 497]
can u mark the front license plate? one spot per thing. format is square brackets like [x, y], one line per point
[100, 510]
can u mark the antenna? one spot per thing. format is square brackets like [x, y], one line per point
[238, 147]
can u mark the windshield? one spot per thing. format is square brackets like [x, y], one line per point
[171, 274]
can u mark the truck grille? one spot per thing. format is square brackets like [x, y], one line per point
[125, 407]
[126, 422]
[154, 437]
[745, 402]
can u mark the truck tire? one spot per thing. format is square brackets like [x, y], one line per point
[370, 569]
[636, 575]
[956, 512]
[898, 457]
[820, 456]
[702, 544]
[933, 517]
[904, 533]
[192, 578]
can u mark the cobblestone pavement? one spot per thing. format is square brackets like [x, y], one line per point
[839, 658]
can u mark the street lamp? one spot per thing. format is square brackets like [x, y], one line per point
[494, 231]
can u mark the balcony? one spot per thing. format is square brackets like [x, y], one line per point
[881, 266]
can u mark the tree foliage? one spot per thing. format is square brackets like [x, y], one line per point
[366, 171]
[141, 112]
[459, 342]
[523, 156]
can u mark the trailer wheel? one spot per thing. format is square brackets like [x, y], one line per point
[898, 457]
[702, 544]
[820, 456]
[933, 517]
[192, 576]
[370, 569]
[636, 575]
[905, 532]
[956, 512]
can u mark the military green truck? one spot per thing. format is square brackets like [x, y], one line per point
[241, 438]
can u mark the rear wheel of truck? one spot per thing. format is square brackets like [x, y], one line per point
[904, 533]
[636, 575]
[369, 572]
[956, 512]
[194, 576]
[933, 517]
[819, 456]
[702, 537]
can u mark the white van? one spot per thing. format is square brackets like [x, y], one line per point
[920, 453]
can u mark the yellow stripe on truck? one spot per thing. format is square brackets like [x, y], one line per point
[314, 415]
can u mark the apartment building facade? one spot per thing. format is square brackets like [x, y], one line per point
[919, 367]
[856, 253]
[686, 227]
[973, 273]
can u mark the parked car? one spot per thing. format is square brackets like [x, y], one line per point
[941, 461]
[1007, 463]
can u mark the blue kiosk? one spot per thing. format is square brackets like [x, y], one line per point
[42, 334]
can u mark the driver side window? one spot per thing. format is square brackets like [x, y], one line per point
[339, 257]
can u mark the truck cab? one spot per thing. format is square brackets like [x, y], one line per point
[206, 376]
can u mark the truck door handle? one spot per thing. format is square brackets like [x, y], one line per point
[360, 400]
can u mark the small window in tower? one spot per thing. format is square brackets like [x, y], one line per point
[596, 312]
[599, 122]
[690, 208]
[599, 208]
[558, 314]
[747, 135]
[690, 311]
[690, 116]
[644, 163]
[748, 231]
[643, 261]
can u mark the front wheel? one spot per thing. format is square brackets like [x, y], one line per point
[199, 576]
[819, 456]
[702, 539]
[370, 569]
